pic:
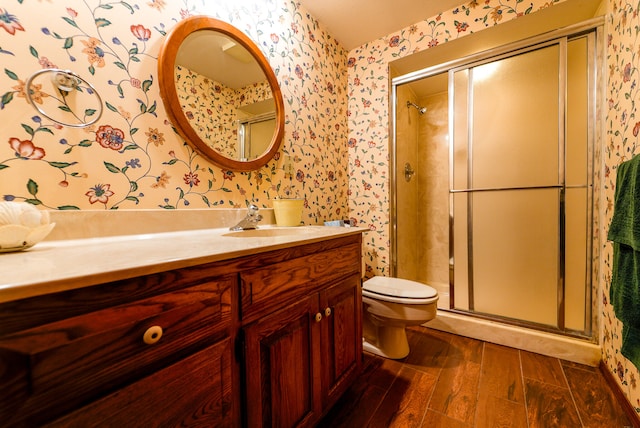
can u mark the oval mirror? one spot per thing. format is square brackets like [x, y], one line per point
[221, 93]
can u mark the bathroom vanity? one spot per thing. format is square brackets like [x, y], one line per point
[216, 329]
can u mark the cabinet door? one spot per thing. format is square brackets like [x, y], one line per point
[341, 306]
[196, 391]
[282, 367]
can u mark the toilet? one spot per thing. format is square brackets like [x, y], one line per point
[390, 305]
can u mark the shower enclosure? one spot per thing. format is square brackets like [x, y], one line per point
[493, 181]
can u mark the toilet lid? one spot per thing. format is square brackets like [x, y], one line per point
[398, 287]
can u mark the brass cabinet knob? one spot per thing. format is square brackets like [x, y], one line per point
[318, 317]
[152, 335]
[327, 312]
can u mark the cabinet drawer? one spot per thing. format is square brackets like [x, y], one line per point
[193, 392]
[291, 279]
[59, 366]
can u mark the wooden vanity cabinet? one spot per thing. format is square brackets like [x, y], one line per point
[300, 356]
[270, 339]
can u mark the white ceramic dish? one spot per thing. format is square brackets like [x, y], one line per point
[22, 226]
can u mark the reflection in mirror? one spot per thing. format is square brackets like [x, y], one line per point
[254, 134]
[223, 96]
[221, 92]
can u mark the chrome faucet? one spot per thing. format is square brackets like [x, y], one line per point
[250, 221]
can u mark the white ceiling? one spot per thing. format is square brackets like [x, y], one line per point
[356, 22]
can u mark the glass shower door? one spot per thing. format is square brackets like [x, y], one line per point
[509, 193]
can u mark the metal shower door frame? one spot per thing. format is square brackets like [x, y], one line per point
[593, 26]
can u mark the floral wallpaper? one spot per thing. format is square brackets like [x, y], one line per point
[621, 144]
[132, 158]
[198, 95]
[212, 108]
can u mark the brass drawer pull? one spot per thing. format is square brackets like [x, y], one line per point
[327, 312]
[152, 335]
[318, 317]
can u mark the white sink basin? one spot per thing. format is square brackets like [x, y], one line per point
[271, 232]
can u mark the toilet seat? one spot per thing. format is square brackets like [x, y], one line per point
[399, 290]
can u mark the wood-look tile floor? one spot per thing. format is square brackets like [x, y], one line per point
[453, 381]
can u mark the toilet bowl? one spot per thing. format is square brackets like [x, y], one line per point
[389, 306]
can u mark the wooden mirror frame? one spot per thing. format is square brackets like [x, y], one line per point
[169, 94]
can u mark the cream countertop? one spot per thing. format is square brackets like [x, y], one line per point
[52, 266]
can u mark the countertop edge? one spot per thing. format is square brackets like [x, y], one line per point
[27, 286]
